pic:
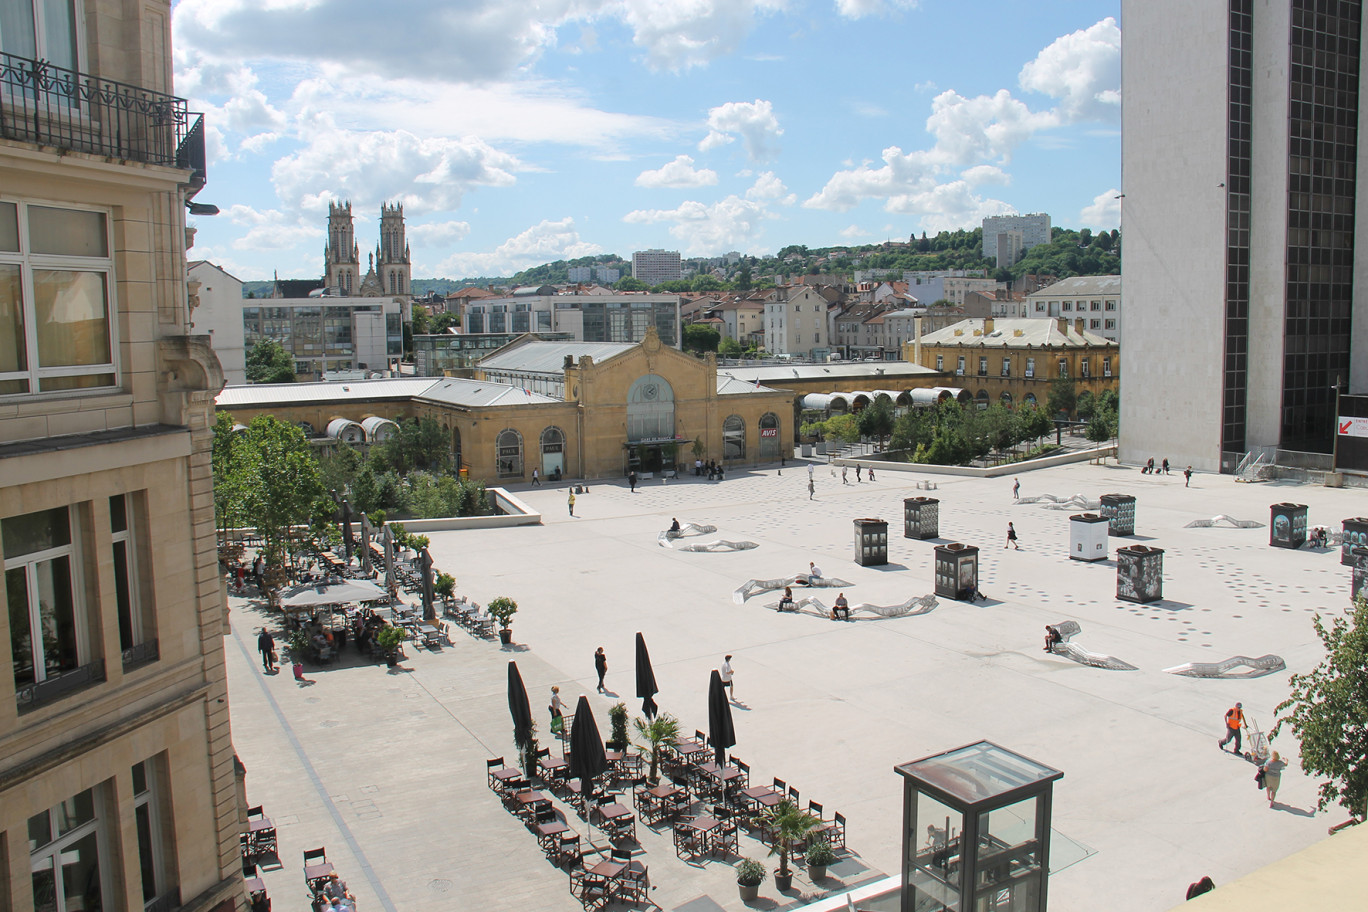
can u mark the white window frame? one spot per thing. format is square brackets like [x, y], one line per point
[1030, 368]
[126, 538]
[40, 27]
[27, 262]
[940, 362]
[1085, 368]
[1106, 367]
[49, 855]
[151, 799]
[1063, 367]
[959, 366]
[1110, 324]
[983, 366]
[27, 562]
[1006, 367]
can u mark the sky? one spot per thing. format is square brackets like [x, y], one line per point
[519, 133]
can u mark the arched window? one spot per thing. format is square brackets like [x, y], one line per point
[650, 410]
[734, 438]
[1030, 399]
[770, 444]
[552, 451]
[307, 428]
[1006, 398]
[456, 447]
[982, 398]
[509, 453]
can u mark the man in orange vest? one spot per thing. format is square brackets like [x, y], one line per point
[1234, 720]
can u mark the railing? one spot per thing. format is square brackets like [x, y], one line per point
[141, 654]
[33, 695]
[52, 106]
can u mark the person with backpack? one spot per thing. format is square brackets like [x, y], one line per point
[1234, 722]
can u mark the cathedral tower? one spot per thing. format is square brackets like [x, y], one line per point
[341, 256]
[392, 254]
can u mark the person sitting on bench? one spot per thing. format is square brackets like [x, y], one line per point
[842, 607]
[674, 526]
[1052, 638]
[786, 603]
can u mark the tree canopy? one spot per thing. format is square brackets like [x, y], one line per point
[268, 362]
[700, 338]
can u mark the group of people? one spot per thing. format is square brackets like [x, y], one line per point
[1269, 775]
[1149, 468]
[334, 895]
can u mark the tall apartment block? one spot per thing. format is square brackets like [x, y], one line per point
[655, 266]
[1240, 156]
[118, 787]
[1033, 229]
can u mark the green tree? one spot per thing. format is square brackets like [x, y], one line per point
[706, 282]
[285, 491]
[419, 444]
[1325, 712]
[1035, 422]
[339, 469]
[674, 286]
[1099, 427]
[743, 277]
[421, 324]
[729, 348]
[233, 473]
[268, 362]
[1063, 396]
[1085, 405]
[700, 338]
[845, 428]
[914, 429]
[444, 321]
[631, 283]
[877, 419]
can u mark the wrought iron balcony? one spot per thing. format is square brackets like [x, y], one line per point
[141, 654]
[48, 105]
[34, 695]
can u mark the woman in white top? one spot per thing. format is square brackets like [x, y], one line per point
[557, 704]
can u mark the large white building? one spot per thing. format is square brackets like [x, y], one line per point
[1032, 229]
[1239, 223]
[586, 317]
[655, 266]
[796, 322]
[1096, 299]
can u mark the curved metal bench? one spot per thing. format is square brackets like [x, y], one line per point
[1266, 664]
[750, 587]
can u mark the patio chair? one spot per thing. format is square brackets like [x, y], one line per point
[568, 851]
[636, 880]
[744, 767]
[317, 869]
[726, 837]
[592, 891]
[833, 831]
[262, 829]
[687, 840]
[492, 766]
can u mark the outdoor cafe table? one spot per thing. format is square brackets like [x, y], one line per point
[763, 796]
[657, 800]
[613, 813]
[704, 827]
[431, 635]
[610, 871]
[691, 747]
[528, 801]
[721, 775]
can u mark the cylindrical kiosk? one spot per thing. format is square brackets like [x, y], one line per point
[1355, 536]
[1287, 528]
[1119, 510]
[1359, 580]
[1139, 573]
[921, 517]
[1088, 537]
[871, 542]
[957, 571]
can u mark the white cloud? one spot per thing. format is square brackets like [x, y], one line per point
[753, 121]
[542, 243]
[678, 173]
[858, 9]
[1083, 71]
[732, 223]
[437, 234]
[1105, 211]
[769, 187]
[983, 128]
[985, 174]
[687, 33]
[426, 175]
[271, 229]
[853, 232]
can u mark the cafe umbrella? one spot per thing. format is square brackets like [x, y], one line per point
[346, 528]
[587, 759]
[720, 730]
[425, 561]
[387, 537]
[646, 687]
[365, 544]
[521, 711]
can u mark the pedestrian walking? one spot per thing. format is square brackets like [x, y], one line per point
[857, 472]
[844, 479]
[632, 480]
[1011, 538]
[870, 473]
[600, 666]
[1187, 476]
[266, 646]
[1234, 721]
[812, 469]
[812, 488]
[1016, 489]
[698, 467]
[259, 573]
[725, 673]
[557, 709]
[1165, 466]
[1272, 775]
[536, 478]
[571, 501]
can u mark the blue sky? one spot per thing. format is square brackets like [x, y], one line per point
[518, 133]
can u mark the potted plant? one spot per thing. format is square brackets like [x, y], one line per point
[389, 639]
[653, 737]
[789, 824]
[502, 610]
[819, 855]
[617, 717]
[444, 586]
[749, 875]
[298, 644]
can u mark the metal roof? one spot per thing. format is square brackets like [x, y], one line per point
[1015, 333]
[549, 357]
[775, 375]
[730, 386]
[253, 395]
[476, 393]
[1081, 285]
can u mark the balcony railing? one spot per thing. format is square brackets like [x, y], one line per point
[141, 654]
[36, 694]
[49, 105]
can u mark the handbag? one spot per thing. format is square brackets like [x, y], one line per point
[1259, 778]
[557, 724]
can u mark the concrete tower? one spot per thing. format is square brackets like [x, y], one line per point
[392, 255]
[341, 256]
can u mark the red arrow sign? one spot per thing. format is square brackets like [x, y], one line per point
[1344, 427]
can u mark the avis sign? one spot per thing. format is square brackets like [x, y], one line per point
[1353, 427]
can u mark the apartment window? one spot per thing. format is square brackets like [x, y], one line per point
[1006, 367]
[1085, 368]
[1067, 306]
[940, 362]
[1095, 305]
[959, 366]
[1106, 367]
[1111, 305]
[1094, 324]
[42, 30]
[56, 318]
[137, 624]
[154, 827]
[1063, 367]
[46, 615]
[983, 365]
[65, 855]
[1040, 306]
[1030, 367]
[1110, 324]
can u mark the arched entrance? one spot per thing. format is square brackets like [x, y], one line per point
[769, 437]
[509, 454]
[651, 444]
[552, 451]
[733, 438]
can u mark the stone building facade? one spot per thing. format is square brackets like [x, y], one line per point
[118, 787]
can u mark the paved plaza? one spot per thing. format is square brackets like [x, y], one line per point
[386, 768]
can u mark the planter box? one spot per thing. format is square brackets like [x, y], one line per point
[1139, 573]
[957, 571]
[921, 517]
[1088, 537]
